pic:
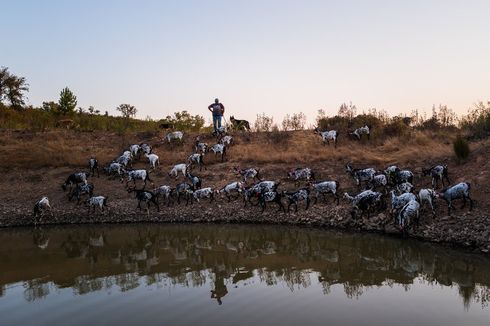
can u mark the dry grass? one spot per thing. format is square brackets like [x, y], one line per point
[70, 148]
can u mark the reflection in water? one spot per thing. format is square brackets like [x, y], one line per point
[100, 258]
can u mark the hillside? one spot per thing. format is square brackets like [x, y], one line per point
[36, 164]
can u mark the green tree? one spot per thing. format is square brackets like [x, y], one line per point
[127, 110]
[67, 102]
[50, 106]
[12, 88]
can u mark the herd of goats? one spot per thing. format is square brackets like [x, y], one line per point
[373, 185]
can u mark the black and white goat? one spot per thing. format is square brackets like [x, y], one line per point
[174, 136]
[428, 196]
[80, 190]
[145, 196]
[41, 207]
[230, 189]
[133, 175]
[226, 140]
[257, 189]
[200, 147]
[125, 159]
[219, 149]
[293, 198]
[202, 193]
[146, 148]
[379, 181]
[135, 150]
[367, 201]
[405, 187]
[361, 175]
[93, 166]
[165, 192]
[398, 202]
[153, 159]
[74, 179]
[198, 159]
[250, 173]
[326, 187]
[327, 136]
[359, 132]
[299, 174]
[182, 167]
[96, 201]
[459, 191]
[115, 169]
[408, 214]
[195, 181]
[183, 190]
[268, 196]
[437, 172]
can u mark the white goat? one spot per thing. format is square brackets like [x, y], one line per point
[176, 135]
[179, 168]
[97, 201]
[428, 196]
[153, 159]
[41, 207]
[408, 213]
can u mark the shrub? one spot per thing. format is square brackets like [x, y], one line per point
[461, 148]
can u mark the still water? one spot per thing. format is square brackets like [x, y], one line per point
[234, 274]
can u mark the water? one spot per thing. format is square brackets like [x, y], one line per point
[223, 274]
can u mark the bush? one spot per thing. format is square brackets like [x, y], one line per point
[461, 148]
[278, 137]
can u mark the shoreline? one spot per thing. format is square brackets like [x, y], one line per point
[460, 231]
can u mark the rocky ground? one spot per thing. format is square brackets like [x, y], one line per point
[21, 188]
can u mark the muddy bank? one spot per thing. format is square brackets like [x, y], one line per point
[467, 229]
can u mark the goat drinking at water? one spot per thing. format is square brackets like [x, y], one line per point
[409, 213]
[41, 207]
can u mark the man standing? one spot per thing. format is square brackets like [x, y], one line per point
[218, 110]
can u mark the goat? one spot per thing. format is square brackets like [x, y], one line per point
[97, 201]
[153, 159]
[165, 192]
[459, 191]
[219, 149]
[74, 179]
[202, 193]
[324, 188]
[408, 213]
[183, 189]
[361, 175]
[93, 166]
[176, 135]
[379, 180]
[41, 207]
[267, 196]
[226, 140]
[429, 196]
[401, 176]
[134, 175]
[230, 188]
[239, 124]
[256, 189]
[365, 201]
[327, 136]
[80, 190]
[438, 172]
[301, 174]
[195, 181]
[398, 202]
[250, 173]
[297, 196]
[125, 159]
[197, 159]
[145, 196]
[115, 168]
[179, 168]
[362, 131]
[135, 151]
[405, 187]
[145, 148]
[200, 147]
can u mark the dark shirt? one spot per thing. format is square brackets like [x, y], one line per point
[217, 108]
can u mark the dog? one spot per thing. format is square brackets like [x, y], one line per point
[239, 124]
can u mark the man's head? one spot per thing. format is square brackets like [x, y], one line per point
[216, 100]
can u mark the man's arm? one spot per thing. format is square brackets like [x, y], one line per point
[210, 108]
[222, 109]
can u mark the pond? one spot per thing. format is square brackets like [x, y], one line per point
[240, 274]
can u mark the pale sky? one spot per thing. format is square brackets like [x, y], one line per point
[275, 57]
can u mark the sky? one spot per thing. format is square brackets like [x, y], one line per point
[276, 57]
